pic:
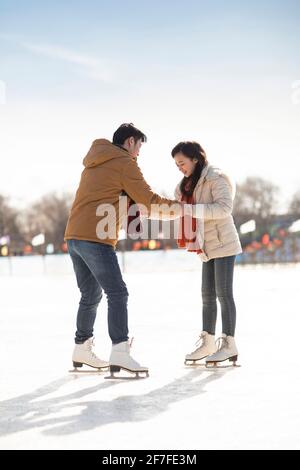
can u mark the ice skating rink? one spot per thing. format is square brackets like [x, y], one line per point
[255, 406]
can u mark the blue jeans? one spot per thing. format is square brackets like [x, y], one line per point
[97, 269]
[217, 282]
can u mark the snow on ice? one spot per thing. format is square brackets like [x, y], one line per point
[42, 406]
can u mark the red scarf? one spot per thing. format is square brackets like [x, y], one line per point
[187, 230]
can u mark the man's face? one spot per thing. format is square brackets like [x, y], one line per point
[134, 147]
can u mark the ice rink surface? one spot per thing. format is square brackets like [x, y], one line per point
[42, 406]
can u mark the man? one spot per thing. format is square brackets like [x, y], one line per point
[110, 170]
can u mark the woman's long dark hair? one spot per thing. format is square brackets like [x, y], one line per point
[191, 150]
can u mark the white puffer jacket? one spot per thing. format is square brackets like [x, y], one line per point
[216, 232]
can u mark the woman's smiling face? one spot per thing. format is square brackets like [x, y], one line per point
[185, 164]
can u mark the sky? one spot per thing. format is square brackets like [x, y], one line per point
[226, 74]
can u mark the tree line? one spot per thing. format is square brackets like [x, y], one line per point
[256, 198]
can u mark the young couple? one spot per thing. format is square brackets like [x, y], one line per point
[205, 191]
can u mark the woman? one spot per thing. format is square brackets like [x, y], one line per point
[208, 229]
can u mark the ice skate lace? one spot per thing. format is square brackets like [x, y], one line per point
[221, 343]
[200, 342]
[91, 344]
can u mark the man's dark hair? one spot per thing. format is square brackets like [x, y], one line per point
[125, 131]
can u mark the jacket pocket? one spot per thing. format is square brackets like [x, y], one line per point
[219, 236]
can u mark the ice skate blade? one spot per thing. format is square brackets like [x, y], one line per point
[137, 376]
[92, 369]
[194, 362]
[220, 365]
[88, 371]
[215, 364]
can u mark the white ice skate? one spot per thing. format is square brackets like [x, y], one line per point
[120, 359]
[227, 350]
[205, 346]
[83, 354]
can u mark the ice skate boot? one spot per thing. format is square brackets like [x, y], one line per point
[83, 354]
[120, 359]
[227, 350]
[205, 346]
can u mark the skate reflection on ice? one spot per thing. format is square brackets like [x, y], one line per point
[59, 414]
